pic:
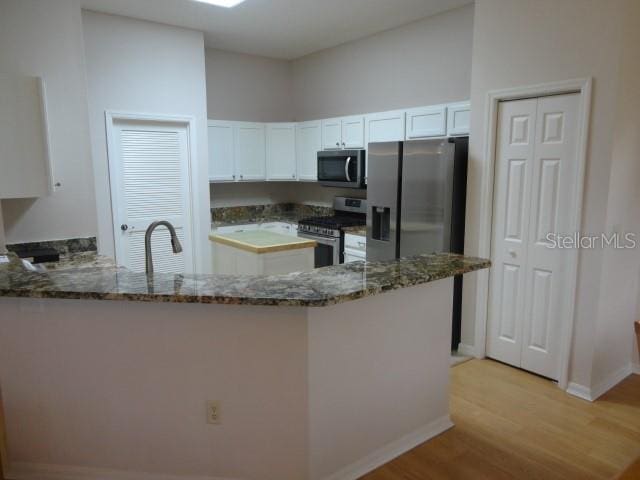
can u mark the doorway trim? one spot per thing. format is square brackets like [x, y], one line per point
[583, 86]
[112, 116]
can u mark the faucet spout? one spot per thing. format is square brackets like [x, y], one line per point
[175, 243]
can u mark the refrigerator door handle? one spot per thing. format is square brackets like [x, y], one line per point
[346, 169]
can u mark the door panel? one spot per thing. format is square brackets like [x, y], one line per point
[553, 183]
[281, 151]
[426, 122]
[514, 155]
[308, 144]
[353, 132]
[221, 151]
[149, 168]
[250, 151]
[331, 134]
[536, 169]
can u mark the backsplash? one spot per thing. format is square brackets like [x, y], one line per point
[254, 213]
[63, 247]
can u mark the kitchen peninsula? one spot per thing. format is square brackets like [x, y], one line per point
[303, 392]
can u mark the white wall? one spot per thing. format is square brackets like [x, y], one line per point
[145, 67]
[518, 43]
[41, 40]
[248, 87]
[422, 63]
[620, 281]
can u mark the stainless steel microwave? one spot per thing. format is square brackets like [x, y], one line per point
[341, 168]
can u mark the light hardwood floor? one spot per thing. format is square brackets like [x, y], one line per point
[514, 425]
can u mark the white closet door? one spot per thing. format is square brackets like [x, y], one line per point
[552, 203]
[149, 169]
[514, 156]
[536, 175]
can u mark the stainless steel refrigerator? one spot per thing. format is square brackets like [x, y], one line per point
[416, 195]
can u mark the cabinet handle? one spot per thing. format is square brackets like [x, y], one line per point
[241, 177]
[343, 144]
[234, 177]
[293, 175]
[337, 144]
[124, 227]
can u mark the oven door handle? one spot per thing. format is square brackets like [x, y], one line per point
[346, 169]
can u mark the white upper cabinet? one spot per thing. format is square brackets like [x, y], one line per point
[352, 132]
[249, 141]
[24, 145]
[248, 151]
[458, 117]
[281, 151]
[221, 151]
[332, 134]
[384, 126]
[308, 144]
[426, 122]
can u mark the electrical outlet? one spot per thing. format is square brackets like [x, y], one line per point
[213, 412]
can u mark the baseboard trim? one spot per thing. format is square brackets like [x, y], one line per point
[33, 471]
[592, 394]
[392, 450]
[37, 471]
[579, 391]
[635, 368]
[465, 349]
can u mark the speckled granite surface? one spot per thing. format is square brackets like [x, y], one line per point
[80, 260]
[291, 212]
[63, 247]
[323, 286]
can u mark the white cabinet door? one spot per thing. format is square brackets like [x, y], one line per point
[308, 144]
[221, 151]
[332, 134]
[384, 126]
[24, 147]
[458, 117]
[249, 142]
[352, 132]
[425, 122]
[281, 151]
[536, 175]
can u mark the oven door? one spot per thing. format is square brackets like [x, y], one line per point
[327, 251]
[342, 168]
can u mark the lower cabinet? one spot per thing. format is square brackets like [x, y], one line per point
[234, 261]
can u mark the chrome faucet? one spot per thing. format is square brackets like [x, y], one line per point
[175, 243]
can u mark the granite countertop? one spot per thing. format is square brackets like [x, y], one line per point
[260, 241]
[286, 217]
[319, 287]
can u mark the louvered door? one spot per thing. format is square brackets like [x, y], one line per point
[536, 175]
[149, 169]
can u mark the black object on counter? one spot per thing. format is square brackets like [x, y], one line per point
[40, 255]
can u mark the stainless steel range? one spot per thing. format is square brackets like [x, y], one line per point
[328, 231]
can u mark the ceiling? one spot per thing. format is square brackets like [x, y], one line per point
[284, 29]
